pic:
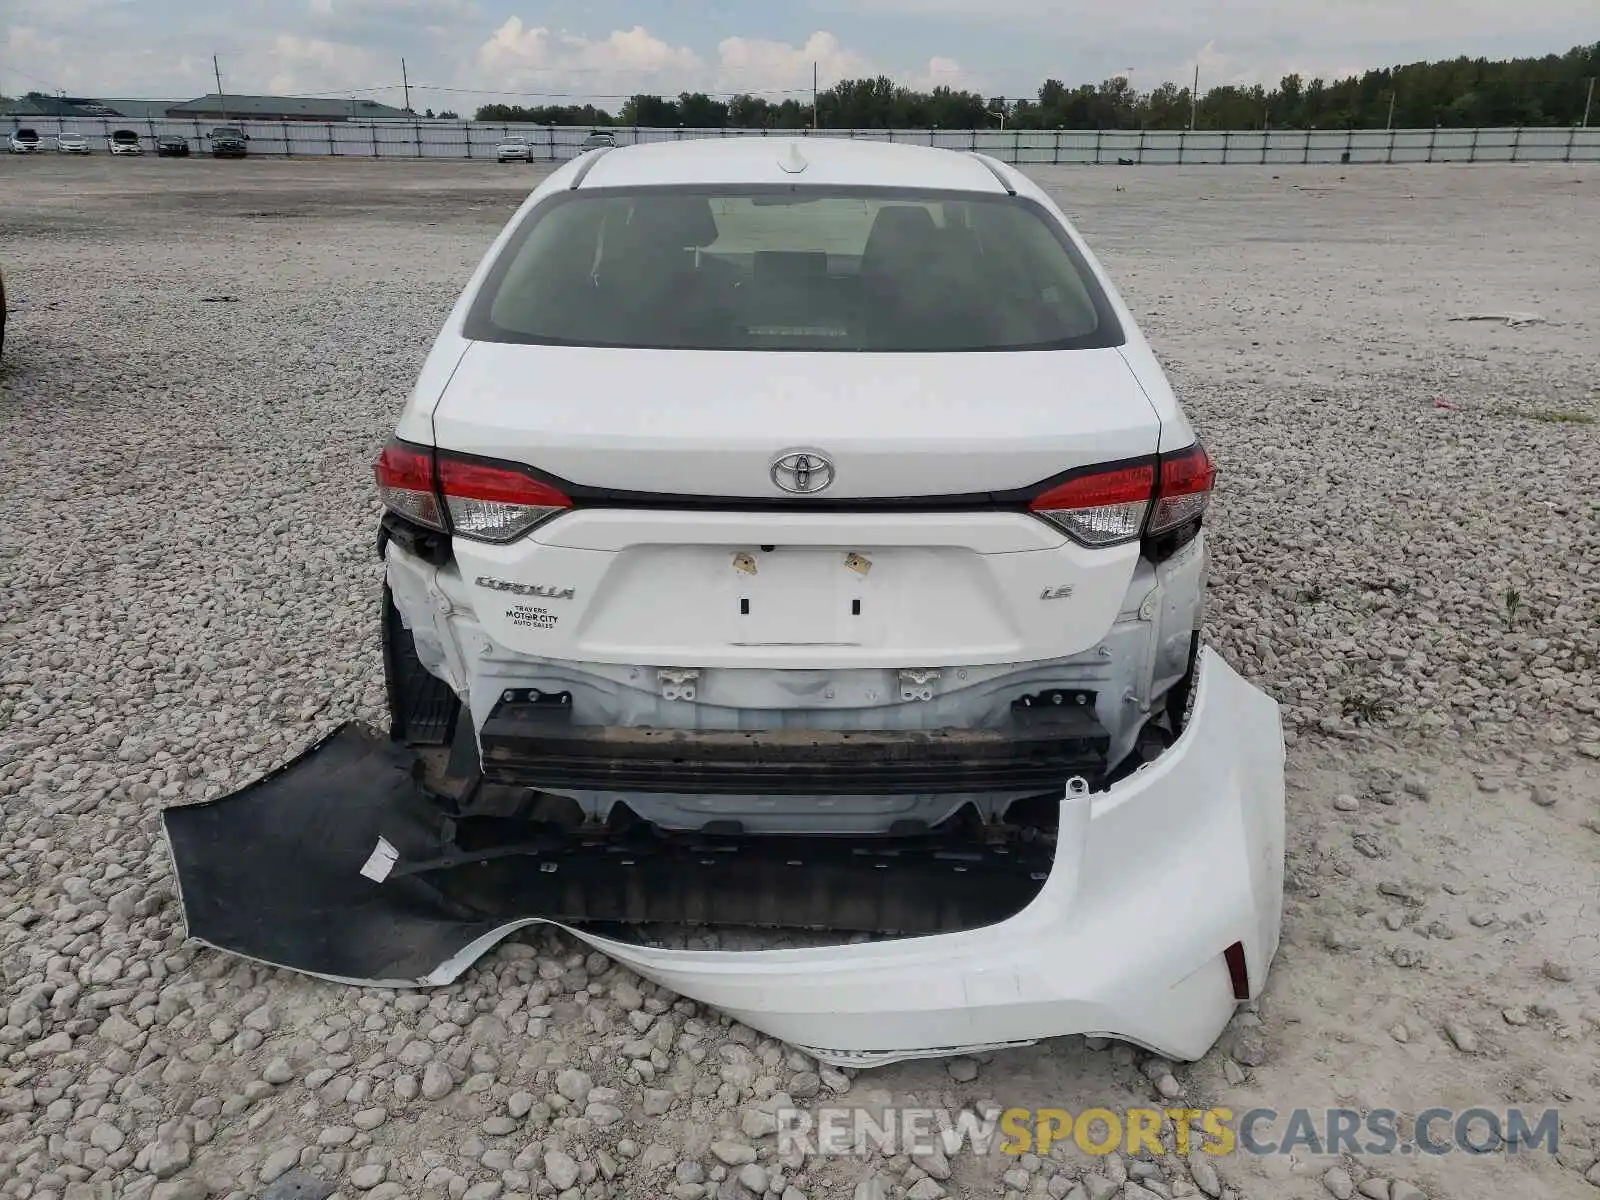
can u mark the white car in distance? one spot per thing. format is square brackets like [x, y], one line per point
[513, 149]
[826, 493]
[72, 143]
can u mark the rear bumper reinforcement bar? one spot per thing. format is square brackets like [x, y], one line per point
[532, 742]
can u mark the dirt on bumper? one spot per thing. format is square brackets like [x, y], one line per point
[1151, 882]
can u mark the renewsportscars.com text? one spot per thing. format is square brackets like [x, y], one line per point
[848, 1132]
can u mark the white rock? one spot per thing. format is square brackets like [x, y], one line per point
[107, 1137]
[932, 1162]
[279, 1163]
[1204, 1175]
[368, 1177]
[437, 1082]
[574, 1085]
[733, 1153]
[560, 1169]
[167, 1158]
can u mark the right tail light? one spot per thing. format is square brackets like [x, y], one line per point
[1160, 501]
[1184, 489]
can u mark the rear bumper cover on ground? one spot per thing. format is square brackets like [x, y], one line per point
[1153, 880]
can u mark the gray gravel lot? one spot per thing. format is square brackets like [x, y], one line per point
[201, 362]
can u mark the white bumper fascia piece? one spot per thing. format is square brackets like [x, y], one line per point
[1154, 879]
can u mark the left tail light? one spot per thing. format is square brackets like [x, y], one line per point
[494, 503]
[470, 498]
[406, 485]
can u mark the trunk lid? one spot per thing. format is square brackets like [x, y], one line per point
[811, 582]
[711, 423]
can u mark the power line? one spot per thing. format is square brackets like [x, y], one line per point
[45, 82]
[609, 95]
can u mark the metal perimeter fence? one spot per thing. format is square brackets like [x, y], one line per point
[424, 139]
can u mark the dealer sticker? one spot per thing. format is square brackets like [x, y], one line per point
[527, 616]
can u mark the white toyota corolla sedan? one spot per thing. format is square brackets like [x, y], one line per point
[818, 503]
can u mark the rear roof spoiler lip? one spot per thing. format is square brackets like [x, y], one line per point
[994, 170]
[588, 166]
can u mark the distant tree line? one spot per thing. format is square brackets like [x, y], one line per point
[1459, 92]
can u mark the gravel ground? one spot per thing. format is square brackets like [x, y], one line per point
[201, 362]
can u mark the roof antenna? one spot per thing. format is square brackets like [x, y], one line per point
[794, 162]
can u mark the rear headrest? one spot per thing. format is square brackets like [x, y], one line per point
[790, 265]
[898, 227]
[671, 222]
[902, 222]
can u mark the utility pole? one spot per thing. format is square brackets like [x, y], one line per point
[221, 102]
[815, 116]
[1389, 124]
[1588, 102]
[405, 83]
[1194, 97]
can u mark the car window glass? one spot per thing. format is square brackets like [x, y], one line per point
[793, 269]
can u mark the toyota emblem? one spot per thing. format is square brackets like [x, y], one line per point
[804, 472]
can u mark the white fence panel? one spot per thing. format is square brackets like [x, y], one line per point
[470, 140]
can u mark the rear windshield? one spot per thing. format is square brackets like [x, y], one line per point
[792, 269]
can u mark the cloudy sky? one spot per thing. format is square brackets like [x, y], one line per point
[460, 53]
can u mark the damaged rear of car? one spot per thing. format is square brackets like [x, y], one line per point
[805, 537]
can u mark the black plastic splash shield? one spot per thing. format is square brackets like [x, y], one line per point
[273, 872]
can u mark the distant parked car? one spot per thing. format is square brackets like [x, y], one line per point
[126, 141]
[228, 141]
[172, 145]
[71, 143]
[23, 141]
[513, 149]
[597, 139]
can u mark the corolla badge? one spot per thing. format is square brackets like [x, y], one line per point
[543, 591]
[804, 472]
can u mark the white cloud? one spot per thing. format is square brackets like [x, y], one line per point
[45, 48]
[1247, 41]
[519, 58]
[756, 63]
[296, 65]
[941, 72]
[458, 52]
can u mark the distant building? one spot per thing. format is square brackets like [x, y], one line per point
[37, 104]
[284, 108]
[139, 109]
